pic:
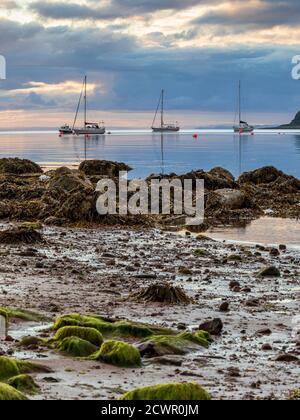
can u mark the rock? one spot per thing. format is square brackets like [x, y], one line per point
[119, 354]
[17, 235]
[234, 372]
[213, 327]
[19, 166]
[66, 180]
[103, 167]
[274, 252]
[282, 247]
[264, 175]
[267, 347]
[168, 392]
[222, 173]
[265, 331]
[233, 284]
[163, 293]
[269, 272]
[224, 307]
[226, 198]
[288, 358]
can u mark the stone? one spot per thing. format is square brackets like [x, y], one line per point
[269, 272]
[213, 327]
[224, 307]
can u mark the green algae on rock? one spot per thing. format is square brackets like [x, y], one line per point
[24, 383]
[76, 347]
[10, 367]
[22, 314]
[119, 354]
[186, 391]
[85, 333]
[180, 344]
[111, 329]
[8, 393]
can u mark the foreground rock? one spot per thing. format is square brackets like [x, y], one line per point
[103, 167]
[19, 235]
[169, 392]
[19, 166]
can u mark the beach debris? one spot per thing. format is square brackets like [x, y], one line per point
[163, 293]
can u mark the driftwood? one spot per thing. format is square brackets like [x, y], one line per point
[163, 293]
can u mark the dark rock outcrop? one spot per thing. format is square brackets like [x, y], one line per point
[103, 168]
[19, 166]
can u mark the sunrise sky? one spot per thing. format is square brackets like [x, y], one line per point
[196, 49]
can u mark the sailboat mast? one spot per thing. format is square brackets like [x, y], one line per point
[240, 110]
[162, 108]
[85, 101]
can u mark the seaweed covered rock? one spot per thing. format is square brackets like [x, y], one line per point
[85, 333]
[103, 168]
[20, 235]
[8, 393]
[163, 293]
[119, 354]
[24, 383]
[10, 367]
[181, 344]
[19, 166]
[76, 347]
[16, 313]
[265, 175]
[110, 328]
[66, 180]
[186, 391]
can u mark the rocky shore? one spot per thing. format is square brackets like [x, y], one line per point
[109, 308]
[64, 197]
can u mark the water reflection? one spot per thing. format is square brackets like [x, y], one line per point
[297, 143]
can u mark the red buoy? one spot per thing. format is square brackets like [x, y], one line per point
[195, 136]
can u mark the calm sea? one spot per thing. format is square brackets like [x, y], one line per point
[152, 153]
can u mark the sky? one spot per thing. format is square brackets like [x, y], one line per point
[196, 50]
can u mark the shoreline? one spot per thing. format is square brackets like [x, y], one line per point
[60, 258]
[79, 271]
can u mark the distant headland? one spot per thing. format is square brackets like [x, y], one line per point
[293, 125]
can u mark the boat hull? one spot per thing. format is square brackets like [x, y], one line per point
[240, 130]
[91, 131]
[166, 130]
[61, 131]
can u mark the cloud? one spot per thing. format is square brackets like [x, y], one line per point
[255, 14]
[114, 10]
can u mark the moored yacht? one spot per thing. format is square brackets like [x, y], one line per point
[163, 127]
[243, 126]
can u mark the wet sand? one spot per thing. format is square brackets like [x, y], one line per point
[94, 271]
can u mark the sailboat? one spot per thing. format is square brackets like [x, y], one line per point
[89, 127]
[243, 126]
[163, 126]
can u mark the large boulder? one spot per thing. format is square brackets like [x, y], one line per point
[19, 166]
[103, 167]
[66, 180]
[227, 199]
[265, 175]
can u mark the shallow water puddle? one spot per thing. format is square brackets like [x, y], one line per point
[265, 231]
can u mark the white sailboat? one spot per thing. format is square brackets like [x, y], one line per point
[163, 128]
[243, 126]
[91, 128]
